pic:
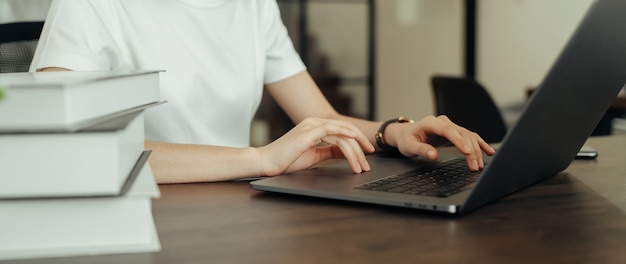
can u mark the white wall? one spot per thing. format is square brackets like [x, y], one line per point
[341, 33]
[416, 38]
[519, 40]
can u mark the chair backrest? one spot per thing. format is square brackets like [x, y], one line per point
[18, 42]
[467, 103]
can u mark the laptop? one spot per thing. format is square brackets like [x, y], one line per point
[554, 125]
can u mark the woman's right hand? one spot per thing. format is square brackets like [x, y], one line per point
[314, 140]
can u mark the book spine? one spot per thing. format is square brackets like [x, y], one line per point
[36, 228]
[57, 107]
[69, 164]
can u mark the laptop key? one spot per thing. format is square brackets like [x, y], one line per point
[446, 179]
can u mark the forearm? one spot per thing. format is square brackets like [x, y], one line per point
[183, 163]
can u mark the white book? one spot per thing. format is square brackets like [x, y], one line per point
[37, 228]
[69, 100]
[89, 163]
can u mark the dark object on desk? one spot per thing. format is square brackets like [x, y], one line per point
[18, 42]
[587, 152]
[467, 103]
[543, 142]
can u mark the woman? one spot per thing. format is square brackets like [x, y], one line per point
[218, 55]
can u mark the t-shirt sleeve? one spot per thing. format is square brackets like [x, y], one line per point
[282, 60]
[75, 37]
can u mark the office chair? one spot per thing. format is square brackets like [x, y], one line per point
[467, 103]
[18, 42]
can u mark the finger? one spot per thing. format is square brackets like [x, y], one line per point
[470, 156]
[355, 155]
[328, 128]
[351, 152]
[416, 147]
[351, 155]
[483, 144]
[363, 140]
[365, 143]
[443, 127]
[364, 164]
[464, 140]
[349, 141]
[481, 161]
[486, 147]
[480, 145]
[478, 155]
[460, 142]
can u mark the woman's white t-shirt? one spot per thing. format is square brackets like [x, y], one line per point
[216, 54]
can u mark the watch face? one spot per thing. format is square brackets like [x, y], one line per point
[403, 119]
[380, 141]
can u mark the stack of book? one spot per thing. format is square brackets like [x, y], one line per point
[74, 177]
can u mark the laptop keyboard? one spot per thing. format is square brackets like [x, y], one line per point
[442, 180]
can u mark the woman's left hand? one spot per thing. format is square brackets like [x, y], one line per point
[420, 138]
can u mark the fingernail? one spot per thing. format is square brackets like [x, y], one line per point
[475, 164]
[430, 154]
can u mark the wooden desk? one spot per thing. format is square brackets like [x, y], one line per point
[577, 216]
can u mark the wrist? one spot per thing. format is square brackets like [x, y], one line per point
[257, 162]
[383, 140]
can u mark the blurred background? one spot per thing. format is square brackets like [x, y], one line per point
[375, 58]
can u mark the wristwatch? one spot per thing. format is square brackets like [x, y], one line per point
[380, 139]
